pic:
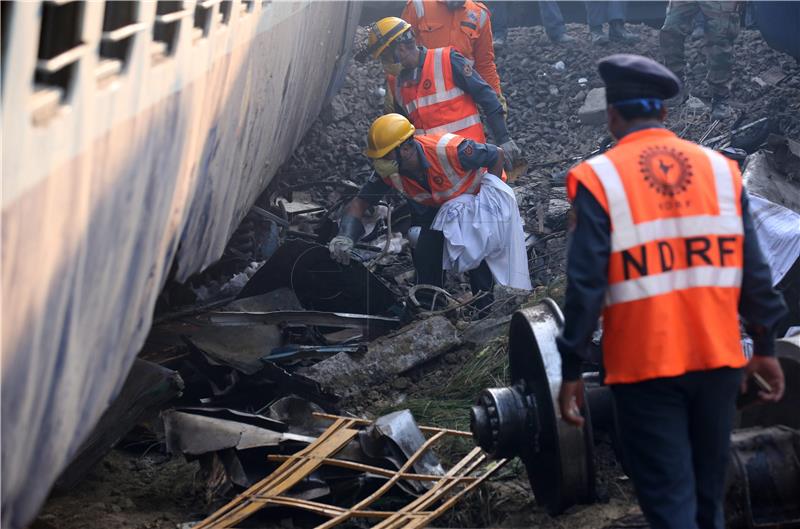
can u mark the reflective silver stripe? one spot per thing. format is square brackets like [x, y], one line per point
[455, 180]
[471, 62]
[483, 19]
[678, 227]
[438, 76]
[723, 180]
[649, 286]
[438, 97]
[625, 234]
[453, 126]
[622, 232]
[419, 7]
[441, 153]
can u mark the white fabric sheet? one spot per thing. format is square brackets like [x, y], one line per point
[778, 230]
[485, 226]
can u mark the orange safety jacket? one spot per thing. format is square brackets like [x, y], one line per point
[467, 29]
[447, 179]
[435, 104]
[675, 268]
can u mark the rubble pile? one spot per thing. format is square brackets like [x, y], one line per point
[544, 100]
[252, 353]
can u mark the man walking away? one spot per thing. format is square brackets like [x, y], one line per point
[664, 246]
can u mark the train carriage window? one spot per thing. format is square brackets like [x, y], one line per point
[202, 19]
[225, 11]
[5, 20]
[119, 30]
[247, 6]
[166, 28]
[60, 48]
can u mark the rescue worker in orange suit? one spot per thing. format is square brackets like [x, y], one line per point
[438, 90]
[428, 170]
[664, 246]
[463, 24]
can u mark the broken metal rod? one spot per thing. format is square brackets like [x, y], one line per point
[383, 489]
[424, 429]
[714, 125]
[734, 131]
[352, 465]
[320, 508]
[288, 475]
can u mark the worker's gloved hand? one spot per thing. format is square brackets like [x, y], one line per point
[504, 104]
[385, 167]
[513, 154]
[340, 247]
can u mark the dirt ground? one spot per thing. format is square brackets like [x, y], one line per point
[158, 491]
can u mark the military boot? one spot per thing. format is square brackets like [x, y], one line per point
[618, 33]
[680, 99]
[598, 36]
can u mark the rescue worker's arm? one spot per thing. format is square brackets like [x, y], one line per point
[761, 308]
[467, 79]
[474, 155]
[588, 253]
[483, 50]
[351, 229]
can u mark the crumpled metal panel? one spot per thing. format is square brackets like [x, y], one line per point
[98, 201]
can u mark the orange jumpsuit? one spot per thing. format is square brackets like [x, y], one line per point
[468, 29]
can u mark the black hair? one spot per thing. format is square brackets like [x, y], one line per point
[643, 108]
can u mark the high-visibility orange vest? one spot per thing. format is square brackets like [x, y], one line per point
[675, 268]
[447, 179]
[467, 29]
[435, 104]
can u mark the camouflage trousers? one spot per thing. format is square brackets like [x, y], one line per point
[722, 26]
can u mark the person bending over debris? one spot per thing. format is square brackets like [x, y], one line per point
[438, 90]
[432, 171]
[721, 29]
[664, 245]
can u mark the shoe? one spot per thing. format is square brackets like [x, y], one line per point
[698, 33]
[721, 110]
[562, 39]
[618, 33]
[599, 38]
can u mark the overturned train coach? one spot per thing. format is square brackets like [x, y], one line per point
[136, 136]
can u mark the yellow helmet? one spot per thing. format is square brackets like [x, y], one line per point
[383, 32]
[386, 134]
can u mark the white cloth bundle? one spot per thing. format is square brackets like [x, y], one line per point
[485, 226]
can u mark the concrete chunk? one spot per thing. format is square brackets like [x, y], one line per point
[593, 111]
[345, 374]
